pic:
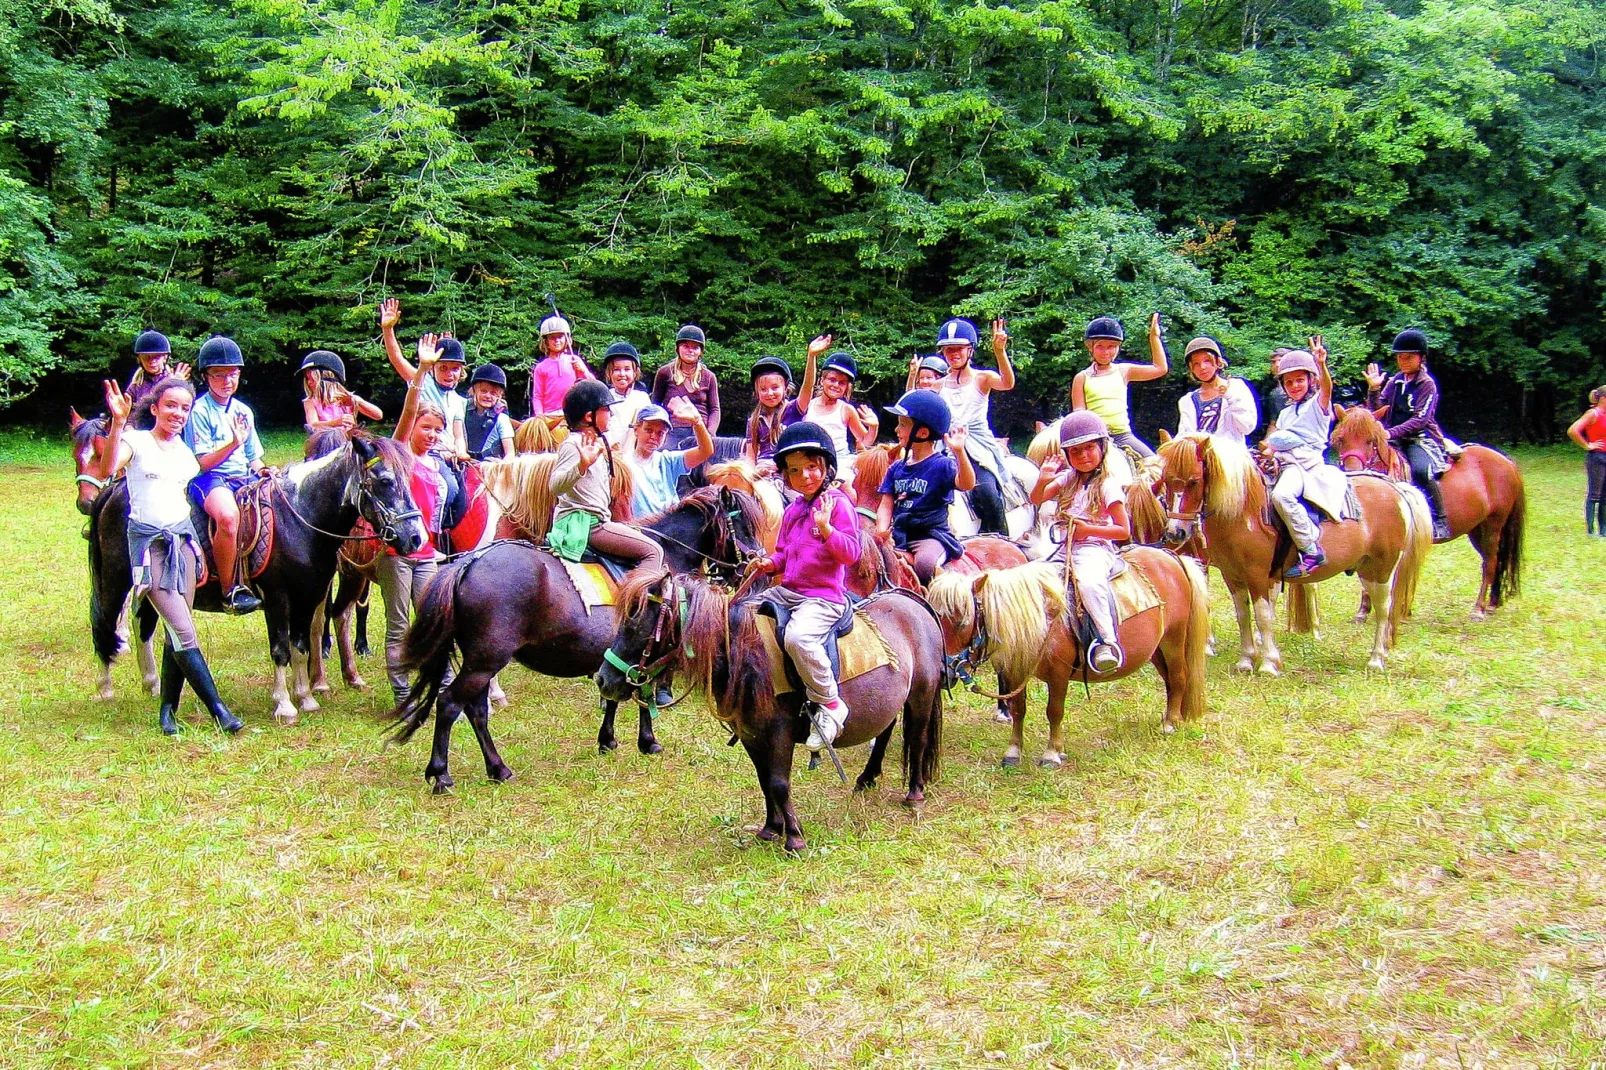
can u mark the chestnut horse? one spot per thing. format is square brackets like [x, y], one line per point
[1020, 617]
[1484, 498]
[1214, 483]
[698, 630]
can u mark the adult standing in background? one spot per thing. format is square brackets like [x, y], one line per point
[688, 377]
[1589, 431]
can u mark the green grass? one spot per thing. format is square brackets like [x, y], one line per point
[1332, 868]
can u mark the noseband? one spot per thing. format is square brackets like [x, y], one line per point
[389, 518]
[648, 668]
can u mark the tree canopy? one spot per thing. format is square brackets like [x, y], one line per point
[1259, 170]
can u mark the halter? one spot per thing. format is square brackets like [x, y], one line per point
[1374, 463]
[98, 484]
[728, 531]
[364, 493]
[647, 668]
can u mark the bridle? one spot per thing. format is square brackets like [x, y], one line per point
[648, 668]
[363, 494]
[727, 536]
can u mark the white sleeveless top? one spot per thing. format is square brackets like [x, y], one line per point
[967, 405]
[833, 418]
[158, 478]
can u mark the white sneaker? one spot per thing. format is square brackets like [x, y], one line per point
[1105, 658]
[829, 719]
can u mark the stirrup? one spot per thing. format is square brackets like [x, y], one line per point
[240, 601]
[1115, 652]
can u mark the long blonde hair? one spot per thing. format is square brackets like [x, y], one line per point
[1093, 480]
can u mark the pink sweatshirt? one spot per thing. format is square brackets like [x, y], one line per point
[808, 564]
[550, 380]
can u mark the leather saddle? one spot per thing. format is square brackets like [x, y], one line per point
[782, 615]
[254, 537]
[615, 567]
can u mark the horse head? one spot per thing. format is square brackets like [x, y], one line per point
[1360, 440]
[88, 442]
[379, 490]
[956, 599]
[647, 642]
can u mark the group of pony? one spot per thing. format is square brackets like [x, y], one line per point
[502, 597]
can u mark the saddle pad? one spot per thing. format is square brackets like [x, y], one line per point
[1133, 592]
[862, 650]
[591, 580]
[253, 539]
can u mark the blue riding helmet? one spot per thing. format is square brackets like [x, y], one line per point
[842, 362]
[1104, 327]
[151, 342]
[927, 409]
[957, 332]
[451, 351]
[324, 361]
[219, 351]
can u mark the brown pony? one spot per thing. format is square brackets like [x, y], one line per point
[695, 629]
[1213, 483]
[1020, 617]
[1484, 498]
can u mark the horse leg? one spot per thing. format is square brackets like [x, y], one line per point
[1017, 721]
[1001, 714]
[1365, 609]
[774, 827]
[301, 680]
[606, 741]
[878, 750]
[1382, 593]
[478, 705]
[1247, 646]
[646, 742]
[360, 645]
[318, 649]
[284, 711]
[1054, 756]
[1271, 659]
[437, 772]
[348, 656]
[1485, 539]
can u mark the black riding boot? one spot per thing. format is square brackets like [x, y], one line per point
[1441, 523]
[193, 662]
[172, 688]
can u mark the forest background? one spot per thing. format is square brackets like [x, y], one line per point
[1258, 169]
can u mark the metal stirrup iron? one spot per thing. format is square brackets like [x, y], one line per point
[814, 719]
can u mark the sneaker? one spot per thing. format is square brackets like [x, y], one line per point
[1441, 529]
[1105, 658]
[1306, 564]
[828, 719]
[241, 600]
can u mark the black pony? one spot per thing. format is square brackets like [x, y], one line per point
[315, 504]
[514, 601]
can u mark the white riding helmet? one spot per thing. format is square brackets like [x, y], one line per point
[555, 324]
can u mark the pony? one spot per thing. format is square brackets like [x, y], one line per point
[741, 474]
[695, 629]
[1213, 484]
[514, 600]
[1018, 619]
[1484, 499]
[314, 506]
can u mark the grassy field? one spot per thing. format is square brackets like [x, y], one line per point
[1334, 868]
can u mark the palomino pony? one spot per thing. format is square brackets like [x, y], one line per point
[314, 505]
[513, 600]
[696, 630]
[1484, 498]
[1214, 483]
[1018, 618]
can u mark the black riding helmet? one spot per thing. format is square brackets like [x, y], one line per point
[621, 351]
[489, 373]
[1411, 341]
[324, 361]
[220, 351]
[585, 398]
[806, 436]
[771, 366]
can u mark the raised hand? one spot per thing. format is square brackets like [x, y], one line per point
[118, 403]
[429, 352]
[822, 515]
[1374, 376]
[681, 408]
[242, 429]
[180, 371]
[389, 314]
[1318, 349]
[957, 439]
[1053, 464]
[1155, 330]
[1000, 335]
[819, 345]
[592, 447]
[868, 416]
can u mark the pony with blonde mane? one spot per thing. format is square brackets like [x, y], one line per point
[742, 474]
[535, 435]
[684, 626]
[1018, 619]
[1213, 484]
[1483, 492]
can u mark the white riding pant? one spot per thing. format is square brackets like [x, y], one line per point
[1094, 566]
[813, 619]
[1285, 498]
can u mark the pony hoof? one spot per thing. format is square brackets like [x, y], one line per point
[1210, 647]
[1047, 762]
[1361, 617]
[443, 786]
[499, 700]
[153, 688]
[814, 760]
[914, 800]
[286, 716]
[1479, 614]
[607, 746]
[1376, 665]
[1268, 668]
[362, 650]
[309, 705]
[768, 835]
[862, 786]
[106, 694]
[1011, 761]
[1244, 666]
[649, 746]
[502, 775]
[321, 688]
[795, 844]
[1167, 728]
[356, 683]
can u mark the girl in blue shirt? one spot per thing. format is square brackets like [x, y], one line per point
[919, 489]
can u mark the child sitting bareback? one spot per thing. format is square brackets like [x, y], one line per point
[918, 490]
[819, 538]
[1093, 508]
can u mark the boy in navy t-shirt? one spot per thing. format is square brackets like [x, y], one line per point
[919, 489]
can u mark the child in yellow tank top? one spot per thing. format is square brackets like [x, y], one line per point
[1101, 386]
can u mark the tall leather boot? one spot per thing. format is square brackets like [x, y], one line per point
[1441, 523]
[193, 662]
[172, 688]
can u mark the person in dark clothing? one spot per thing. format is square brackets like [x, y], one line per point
[1408, 405]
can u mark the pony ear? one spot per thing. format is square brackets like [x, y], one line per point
[1037, 427]
[364, 447]
[74, 421]
[1338, 412]
[978, 583]
[1165, 436]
